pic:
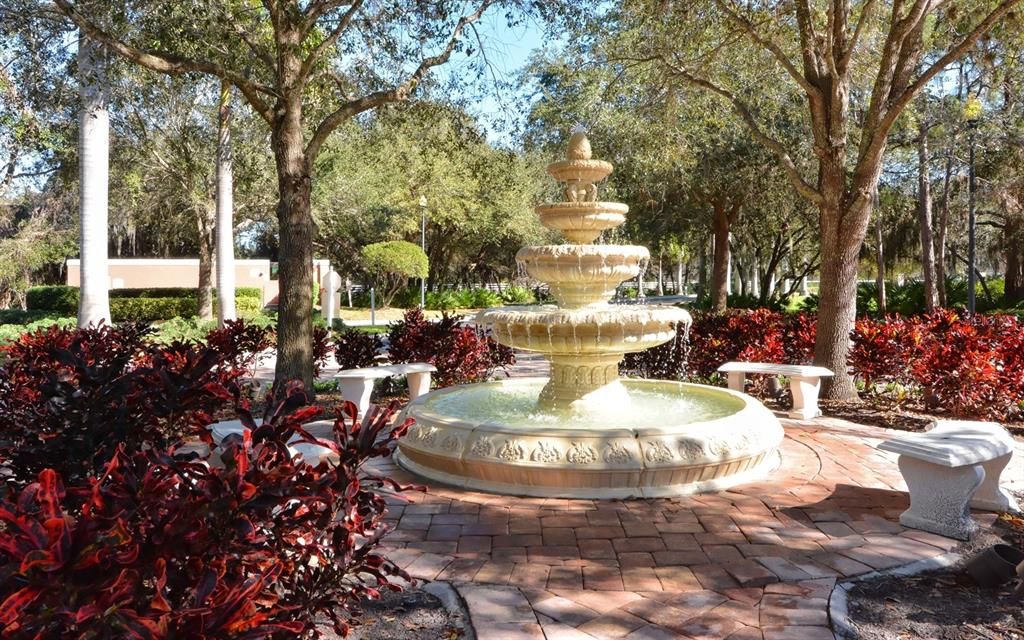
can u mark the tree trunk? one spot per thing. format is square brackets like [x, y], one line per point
[225, 226]
[837, 305]
[93, 171]
[720, 270]
[702, 269]
[924, 218]
[1014, 243]
[206, 218]
[295, 258]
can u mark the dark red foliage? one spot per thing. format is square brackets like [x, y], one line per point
[253, 544]
[969, 367]
[69, 398]
[354, 349]
[664, 362]
[240, 343]
[883, 351]
[460, 353]
[972, 367]
[322, 349]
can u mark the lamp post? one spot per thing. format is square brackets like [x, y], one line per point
[423, 247]
[972, 113]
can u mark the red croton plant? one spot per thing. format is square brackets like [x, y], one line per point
[161, 542]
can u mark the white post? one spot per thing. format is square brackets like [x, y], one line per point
[93, 178]
[330, 303]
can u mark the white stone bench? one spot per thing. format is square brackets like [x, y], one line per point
[949, 469]
[357, 384]
[804, 381]
[312, 453]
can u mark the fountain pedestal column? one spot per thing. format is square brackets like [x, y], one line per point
[575, 378]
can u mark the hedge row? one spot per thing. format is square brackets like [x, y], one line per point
[140, 305]
[65, 297]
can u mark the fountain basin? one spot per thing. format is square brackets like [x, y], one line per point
[672, 439]
[597, 330]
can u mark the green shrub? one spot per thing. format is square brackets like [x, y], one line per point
[142, 305]
[518, 295]
[60, 298]
[445, 300]
[150, 309]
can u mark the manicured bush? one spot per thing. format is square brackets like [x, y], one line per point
[392, 265]
[460, 353]
[354, 349]
[59, 298]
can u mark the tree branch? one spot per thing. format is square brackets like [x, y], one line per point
[803, 187]
[397, 93]
[865, 14]
[772, 47]
[328, 42]
[951, 56]
[171, 64]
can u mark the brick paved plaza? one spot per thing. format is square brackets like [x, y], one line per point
[758, 561]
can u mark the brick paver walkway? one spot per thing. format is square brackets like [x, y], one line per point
[756, 562]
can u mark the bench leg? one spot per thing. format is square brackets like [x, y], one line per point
[939, 497]
[805, 397]
[737, 380]
[419, 384]
[990, 496]
[357, 390]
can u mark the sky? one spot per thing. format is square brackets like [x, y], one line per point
[507, 50]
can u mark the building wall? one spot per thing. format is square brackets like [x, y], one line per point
[148, 273]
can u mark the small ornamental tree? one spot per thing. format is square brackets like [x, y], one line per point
[392, 264]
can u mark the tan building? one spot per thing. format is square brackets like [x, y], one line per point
[151, 273]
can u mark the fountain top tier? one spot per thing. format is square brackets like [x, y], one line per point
[584, 337]
[581, 217]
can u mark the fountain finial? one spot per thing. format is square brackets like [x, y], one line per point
[579, 146]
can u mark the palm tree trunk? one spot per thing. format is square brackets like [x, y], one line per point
[93, 168]
[225, 228]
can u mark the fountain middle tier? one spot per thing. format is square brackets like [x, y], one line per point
[588, 331]
[582, 274]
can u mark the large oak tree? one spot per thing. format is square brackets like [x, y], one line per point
[858, 64]
[305, 68]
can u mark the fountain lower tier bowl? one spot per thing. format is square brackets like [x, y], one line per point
[594, 330]
[582, 274]
[671, 439]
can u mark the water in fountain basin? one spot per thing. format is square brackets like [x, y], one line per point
[513, 403]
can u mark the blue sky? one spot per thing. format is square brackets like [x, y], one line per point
[507, 50]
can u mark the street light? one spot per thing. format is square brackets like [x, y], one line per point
[423, 246]
[972, 112]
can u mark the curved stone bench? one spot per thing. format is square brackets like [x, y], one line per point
[311, 453]
[949, 469]
[357, 384]
[804, 382]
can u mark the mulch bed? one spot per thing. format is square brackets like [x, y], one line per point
[944, 604]
[407, 615]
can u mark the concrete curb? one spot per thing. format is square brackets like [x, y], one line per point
[838, 601]
[453, 602]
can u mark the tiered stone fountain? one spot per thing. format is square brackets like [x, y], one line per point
[583, 432]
